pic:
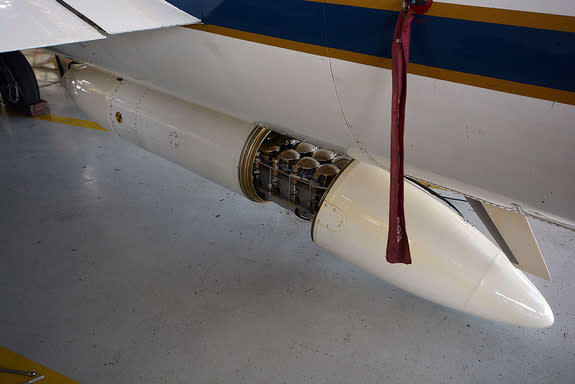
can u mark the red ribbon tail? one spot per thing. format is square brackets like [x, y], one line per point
[397, 242]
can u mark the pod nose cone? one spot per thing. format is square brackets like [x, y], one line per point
[505, 294]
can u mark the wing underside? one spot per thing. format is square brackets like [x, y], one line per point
[28, 24]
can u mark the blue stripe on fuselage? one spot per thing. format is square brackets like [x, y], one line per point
[527, 55]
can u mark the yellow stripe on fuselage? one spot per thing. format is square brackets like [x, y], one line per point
[507, 86]
[474, 13]
[495, 84]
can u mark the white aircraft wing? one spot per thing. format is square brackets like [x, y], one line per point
[28, 24]
[31, 24]
[119, 16]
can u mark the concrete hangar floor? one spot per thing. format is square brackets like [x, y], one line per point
[119, 267]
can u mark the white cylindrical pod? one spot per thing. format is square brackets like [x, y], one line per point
[92, 91]
[453, 263]
[206, 142]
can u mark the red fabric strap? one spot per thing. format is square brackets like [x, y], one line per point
[397, 242]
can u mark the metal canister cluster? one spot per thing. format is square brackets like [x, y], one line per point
[324, 156]
[306, 167]
[269, 151]
[325, 174]
[288, 159]
[341, 161]
[309, 169]
[301, 159]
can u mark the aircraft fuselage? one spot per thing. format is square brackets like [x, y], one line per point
[491, 93]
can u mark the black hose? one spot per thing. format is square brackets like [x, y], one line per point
[431, 191]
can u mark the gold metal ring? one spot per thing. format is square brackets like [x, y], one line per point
[246, 166]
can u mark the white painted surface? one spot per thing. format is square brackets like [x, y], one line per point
[289, 91]
[507, 149]
[30, 23]
[120, 267]
[452, 260]
[518, 235]
[119, 16]
[203, 141]
[497, 147]
[453, 263]
[93, 94]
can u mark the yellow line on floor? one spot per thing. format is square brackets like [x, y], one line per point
[11, 360]
[62, 120]
[71, 121]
